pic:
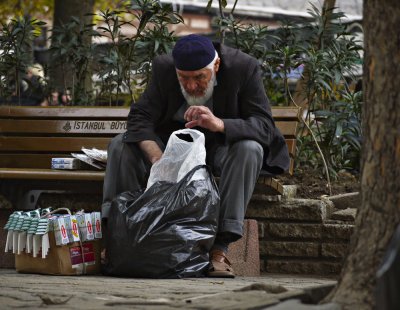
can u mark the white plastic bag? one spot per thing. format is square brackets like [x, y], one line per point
[179, 158]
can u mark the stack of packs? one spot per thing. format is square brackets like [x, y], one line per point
[88, 159]
[54, 237]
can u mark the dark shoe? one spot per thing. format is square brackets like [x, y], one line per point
[220, 266]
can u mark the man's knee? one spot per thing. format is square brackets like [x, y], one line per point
[115, 142]
[248, 150]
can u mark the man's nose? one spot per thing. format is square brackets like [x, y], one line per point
[191, 85]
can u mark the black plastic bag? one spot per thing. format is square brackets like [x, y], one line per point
[165, 232]
[388, 276]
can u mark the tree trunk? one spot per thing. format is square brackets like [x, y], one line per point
[63, 11]
[380, 185]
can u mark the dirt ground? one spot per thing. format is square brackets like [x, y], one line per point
[312, 184]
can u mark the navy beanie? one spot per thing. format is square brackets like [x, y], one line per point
[193, 52]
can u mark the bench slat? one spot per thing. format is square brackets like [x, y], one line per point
[31, 136]
[88, 127]
[47, 174]
[65, 112]
[51, 144]
[29, 161]
[103, 113]
[70, 127]
[286, 113]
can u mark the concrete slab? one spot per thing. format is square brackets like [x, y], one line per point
[99, 292]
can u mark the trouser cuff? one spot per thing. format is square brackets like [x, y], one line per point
[233, 227]
[105, 210]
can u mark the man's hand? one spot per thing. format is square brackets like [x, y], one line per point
[151, 149]
[202, 116]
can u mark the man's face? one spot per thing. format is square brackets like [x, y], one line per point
[195, 82]
[197, 86]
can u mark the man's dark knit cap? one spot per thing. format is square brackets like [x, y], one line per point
[193, 52]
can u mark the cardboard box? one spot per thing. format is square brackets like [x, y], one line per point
[62, 260]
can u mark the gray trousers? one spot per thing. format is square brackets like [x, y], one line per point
[238, 166]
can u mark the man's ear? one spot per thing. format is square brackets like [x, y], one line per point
[216, 64]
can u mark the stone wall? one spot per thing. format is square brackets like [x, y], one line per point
[301, 236]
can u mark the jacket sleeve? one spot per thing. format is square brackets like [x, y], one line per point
[255, 120]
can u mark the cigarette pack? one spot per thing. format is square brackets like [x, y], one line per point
[66, 163]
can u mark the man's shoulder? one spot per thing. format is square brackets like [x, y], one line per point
[233, 58]
[164, 60]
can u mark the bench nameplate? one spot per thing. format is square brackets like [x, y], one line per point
[94, 126]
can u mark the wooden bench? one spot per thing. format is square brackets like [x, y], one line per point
[31, 136]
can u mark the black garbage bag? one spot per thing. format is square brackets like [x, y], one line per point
[165, 232]
[388, 276]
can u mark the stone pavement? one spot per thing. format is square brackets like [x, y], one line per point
[100, 292]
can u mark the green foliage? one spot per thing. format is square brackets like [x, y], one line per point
[16, 53]
[327, 55]
[18, 8]
[126, 64]
[71, 44]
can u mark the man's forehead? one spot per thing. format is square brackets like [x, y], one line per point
[193, 73]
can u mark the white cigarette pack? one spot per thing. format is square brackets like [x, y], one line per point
[65, 163]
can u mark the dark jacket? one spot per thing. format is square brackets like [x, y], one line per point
[239, 99]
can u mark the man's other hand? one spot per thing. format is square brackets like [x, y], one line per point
[202, 116]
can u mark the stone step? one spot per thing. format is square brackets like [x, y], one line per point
[303, 210]
[348, 215]
[302, 249]
[286, 266]
[301, 231]
[344, 201]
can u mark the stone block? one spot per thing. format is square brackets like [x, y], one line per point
[262, 265]
[348, 215]
[337, 231]
[309, 210]
[261, 229]
[293, 231]
[266, 198]
[289, 192]
[303, 267]
[289, 249]
[344, 201]
[244, 254]
[336, 250]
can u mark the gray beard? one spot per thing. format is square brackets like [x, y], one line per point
[192, 100]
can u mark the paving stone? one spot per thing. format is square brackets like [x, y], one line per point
[286, 248]
[296, 209]
[348, 215]
[303, 267]
[337, 250]
[344, 201]
[298, 305]
[293, 230]
[32, 291]
[337, 231]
